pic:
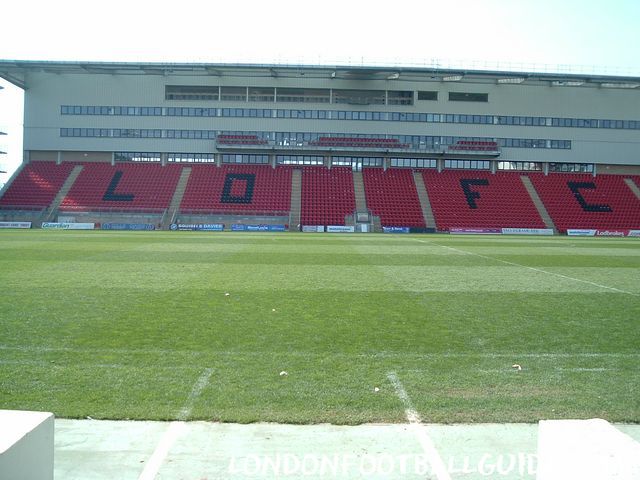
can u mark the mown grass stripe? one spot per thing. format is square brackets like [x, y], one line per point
[506, 262]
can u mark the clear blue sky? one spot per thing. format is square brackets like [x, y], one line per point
[555, 35]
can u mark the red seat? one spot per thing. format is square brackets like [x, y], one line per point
[392, 195]
[37, 185]
[327, 195]
[611, 204]
[141, 187]
[271, 191]
[504, 202]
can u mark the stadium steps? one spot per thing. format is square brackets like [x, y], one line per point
[64, 190]
[358, 188]
[296, 199]
[423, 196]
[176, 200]
[542, 210]
[634, 188]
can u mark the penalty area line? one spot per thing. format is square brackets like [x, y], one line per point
[419, 430]
[175, 430]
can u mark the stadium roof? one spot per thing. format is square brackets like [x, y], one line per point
[14, 71]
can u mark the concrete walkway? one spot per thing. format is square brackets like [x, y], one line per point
[90, 449]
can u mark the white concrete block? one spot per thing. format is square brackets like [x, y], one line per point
[26, 445]
[586, 450]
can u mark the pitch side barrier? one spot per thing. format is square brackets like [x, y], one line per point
[352, 229]
[500, 231]
[219, 227]
[237, 227]
[128, 226]
[586, 232]
[68, 226]
[408, 230]
[15, 224]
[197, 227]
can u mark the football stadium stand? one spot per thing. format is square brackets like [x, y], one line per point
[458, 198]
[584, 201]
[124, 186]
[392, 196]
[478, 199]
[634, 185]
[36, 186]
[327, 195]
[260, 189]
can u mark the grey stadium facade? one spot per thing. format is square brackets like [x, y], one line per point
[166, 112]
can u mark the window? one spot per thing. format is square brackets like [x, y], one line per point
[150, 111]
[261, 94]
[523, 166]
[414, 162]
[468, 97]
[571, 167]
[191, 158]
[300, 160]
[427, 95]
[356, 163]
[190, 92]
[137, 157]
[359, 97]
[467, 164]
[534, 143]
[245, 158]
[233, 94]
[303, 95]
[399, 97]
[560, 144]
[190, 134]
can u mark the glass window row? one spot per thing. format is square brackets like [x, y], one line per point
[137, 156]
[416, 142]
[352, 115]
[191, 157]
[358, 161]
[244, 158]
[414, 162]
[468, 164]
[571, 167]
[304, 95]
[522, 166]
[350, 161]
[299, 160]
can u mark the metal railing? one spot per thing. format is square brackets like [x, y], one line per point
[107, 210]
[235, 213]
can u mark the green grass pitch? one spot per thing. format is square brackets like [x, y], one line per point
[122, 325]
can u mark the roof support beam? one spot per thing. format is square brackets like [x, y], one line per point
[18, 82]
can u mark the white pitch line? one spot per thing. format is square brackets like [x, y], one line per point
[175, 430]
[152, 467]
[197, 389]
[419, 430]
[304, 354]
[539, 270]
[588, 370]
